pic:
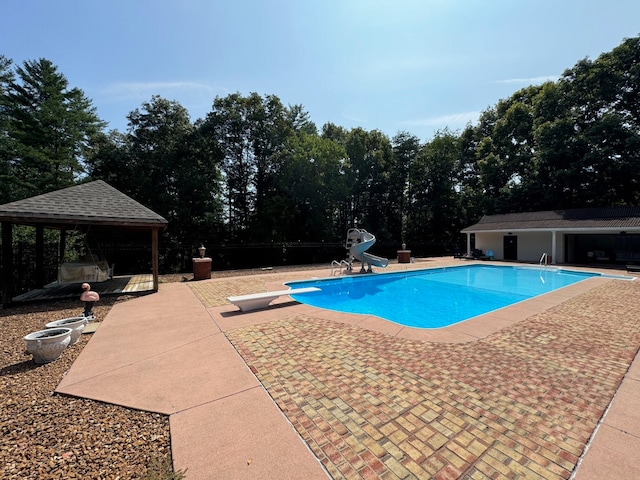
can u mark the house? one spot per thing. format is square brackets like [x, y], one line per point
[585, 235]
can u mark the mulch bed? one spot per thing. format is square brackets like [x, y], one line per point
[44, 435]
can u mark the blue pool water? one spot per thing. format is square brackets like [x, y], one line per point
[436, 297]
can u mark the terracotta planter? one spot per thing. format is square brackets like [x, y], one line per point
[76, 324]
[47, 345]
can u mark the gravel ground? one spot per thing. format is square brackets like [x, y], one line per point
[45, 435]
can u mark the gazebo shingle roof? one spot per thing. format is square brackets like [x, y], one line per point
[93, 203]
[614, 217]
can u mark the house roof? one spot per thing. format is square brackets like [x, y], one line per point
[619, 218]
[94, 203]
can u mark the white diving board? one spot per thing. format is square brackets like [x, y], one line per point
[255, 301]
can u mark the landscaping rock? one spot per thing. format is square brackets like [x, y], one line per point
[44, 435]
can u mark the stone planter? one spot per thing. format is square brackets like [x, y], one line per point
[47, 345]
[76, 324]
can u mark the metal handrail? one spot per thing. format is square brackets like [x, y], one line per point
[544, 259]
[340, 264]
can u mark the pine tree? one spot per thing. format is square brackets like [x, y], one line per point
[48, 129]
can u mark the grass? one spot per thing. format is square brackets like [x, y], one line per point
[160, 468]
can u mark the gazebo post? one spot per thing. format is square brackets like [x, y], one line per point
[7, 263]
[154, 256]
[63, 245]
[40, 256]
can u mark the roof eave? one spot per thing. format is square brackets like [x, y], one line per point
[34, 220]
[556, 229]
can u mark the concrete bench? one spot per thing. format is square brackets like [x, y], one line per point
[254, 301]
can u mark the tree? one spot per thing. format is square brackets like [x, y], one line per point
[176, 171]
[558, 177]
[165, 163]
[298, 119]
[369, 155]
[468, 182]
[227, 126]
[157, 134]
[434, 211]
[312, 190]
[109, 159]
[605, 99]
[335, 133]
[405, 150]
[49, 126]
[251, 133]
[8, 179]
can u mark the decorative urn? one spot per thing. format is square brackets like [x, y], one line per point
[76, 324]
[47, 345]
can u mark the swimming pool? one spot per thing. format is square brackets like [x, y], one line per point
[436, 297]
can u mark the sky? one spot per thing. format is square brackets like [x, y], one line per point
[418, 66]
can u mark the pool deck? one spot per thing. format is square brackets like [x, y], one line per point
[293, 391]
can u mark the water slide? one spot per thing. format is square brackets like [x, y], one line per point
[358, 242]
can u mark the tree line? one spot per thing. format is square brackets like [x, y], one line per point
[257, 171]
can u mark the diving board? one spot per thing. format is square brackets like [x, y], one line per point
[255, 301]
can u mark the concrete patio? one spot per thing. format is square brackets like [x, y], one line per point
[296, 392]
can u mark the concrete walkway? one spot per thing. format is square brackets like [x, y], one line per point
[164, 353]
[168, 353]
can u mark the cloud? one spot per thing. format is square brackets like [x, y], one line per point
[360, 119]
[403, 65]
[139, 91]
[399, 66]
[531, 80]
[452, 120]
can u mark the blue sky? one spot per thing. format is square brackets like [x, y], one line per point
[393, 65]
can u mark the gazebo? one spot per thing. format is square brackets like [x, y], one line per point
[95, 204]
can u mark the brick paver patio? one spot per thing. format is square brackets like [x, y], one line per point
[521, 403]
[215, 292]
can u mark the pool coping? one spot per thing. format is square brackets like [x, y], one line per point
[472, 329]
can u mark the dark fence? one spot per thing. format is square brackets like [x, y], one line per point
[133, 256]
[422, 249]
[238, 256]
[127, 257]
[24, 265]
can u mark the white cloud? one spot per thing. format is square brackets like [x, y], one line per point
[402, 65]
[359, 119]
[399, 66]
[453, 120]
[530, 81]
[144, 90]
